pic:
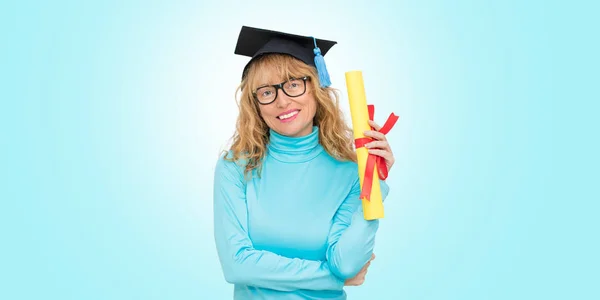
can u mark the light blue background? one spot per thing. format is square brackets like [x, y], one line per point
[113, 115]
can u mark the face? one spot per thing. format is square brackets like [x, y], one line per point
[290, 116]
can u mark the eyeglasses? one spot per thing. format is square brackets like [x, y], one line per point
[294, 87]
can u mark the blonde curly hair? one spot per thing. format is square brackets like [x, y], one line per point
[252, 133]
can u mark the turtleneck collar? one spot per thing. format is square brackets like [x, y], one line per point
[294, 149]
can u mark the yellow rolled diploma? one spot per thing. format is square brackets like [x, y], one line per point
[373, 208]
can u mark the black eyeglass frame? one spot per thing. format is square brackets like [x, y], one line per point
[280, 86]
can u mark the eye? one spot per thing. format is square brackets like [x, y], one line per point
[294, 84]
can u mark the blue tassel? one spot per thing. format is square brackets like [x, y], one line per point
[321, 68]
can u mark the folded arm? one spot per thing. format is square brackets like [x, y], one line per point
[241, 263]
[352, 238]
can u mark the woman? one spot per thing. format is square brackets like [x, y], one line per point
[287, 215]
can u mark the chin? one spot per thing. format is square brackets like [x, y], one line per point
[295, 130]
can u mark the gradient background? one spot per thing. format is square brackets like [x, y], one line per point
[113, 114]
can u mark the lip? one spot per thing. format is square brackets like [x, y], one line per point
[291, 118]
[287, 112]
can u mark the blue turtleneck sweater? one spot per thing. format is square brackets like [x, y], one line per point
[295, 232]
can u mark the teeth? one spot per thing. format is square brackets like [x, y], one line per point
[283, 117]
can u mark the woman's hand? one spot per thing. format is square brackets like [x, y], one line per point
[380, 146]
[359, 278]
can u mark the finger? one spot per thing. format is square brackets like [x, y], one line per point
[383, 153]
[375, 134]
[374, 125]
[365, 267]
[379, 144]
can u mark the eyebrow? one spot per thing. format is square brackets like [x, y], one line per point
[263, 85]
[278, 81]
[267, 84]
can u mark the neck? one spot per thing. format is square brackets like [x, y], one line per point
[294, 149]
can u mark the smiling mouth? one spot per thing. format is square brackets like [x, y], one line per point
[288, 115]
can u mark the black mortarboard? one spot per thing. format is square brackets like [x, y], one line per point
[254, 42]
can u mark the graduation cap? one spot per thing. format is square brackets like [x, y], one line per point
[254, 42]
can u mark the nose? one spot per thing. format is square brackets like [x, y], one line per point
[282, 100]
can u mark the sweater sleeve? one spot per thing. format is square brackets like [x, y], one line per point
[244, 265]
[352, 238]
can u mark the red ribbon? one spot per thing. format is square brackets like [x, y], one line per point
[374, 160]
